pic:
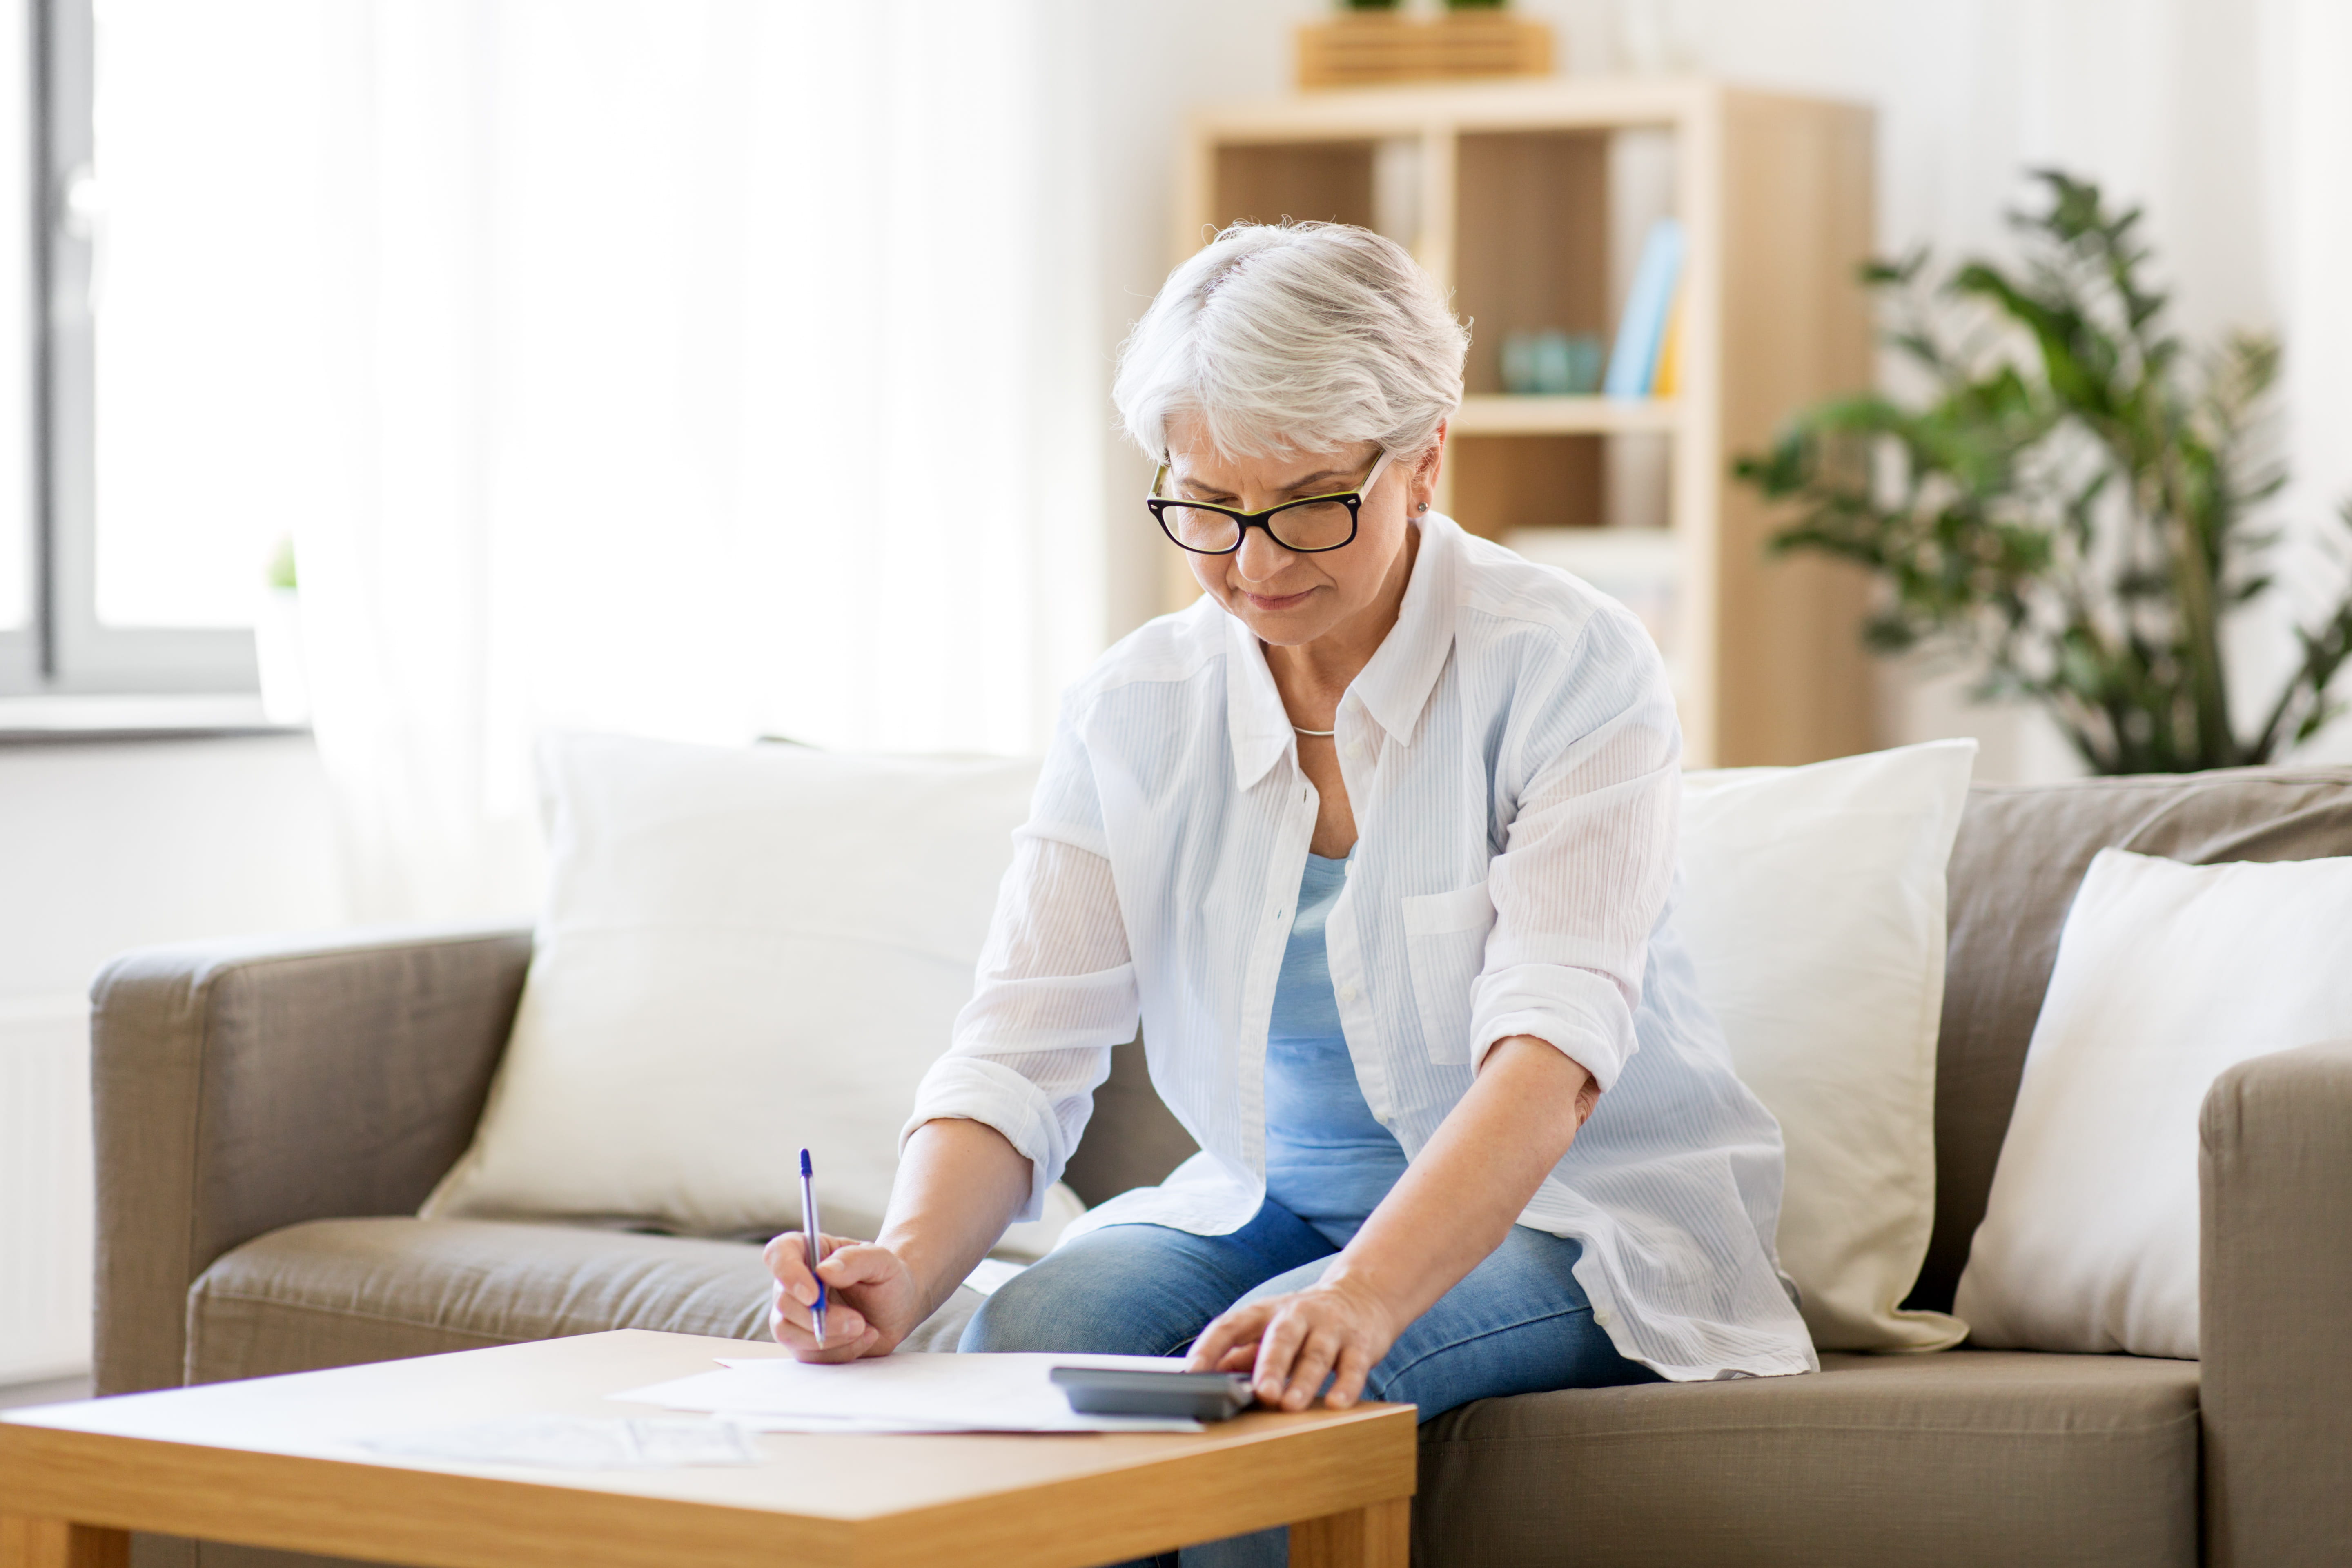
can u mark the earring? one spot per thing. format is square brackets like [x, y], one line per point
[1422, 506]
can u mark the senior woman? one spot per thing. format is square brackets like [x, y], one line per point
[1378, 840]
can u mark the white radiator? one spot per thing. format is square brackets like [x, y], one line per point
[46, 1196]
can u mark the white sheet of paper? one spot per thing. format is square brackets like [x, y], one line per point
[909, 1393]
[580, 1443]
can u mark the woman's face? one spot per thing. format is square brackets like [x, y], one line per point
[1290, 599]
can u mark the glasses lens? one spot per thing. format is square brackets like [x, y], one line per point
[1317, 525]
[1196, 528]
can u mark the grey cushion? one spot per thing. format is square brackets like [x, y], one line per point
[338, 1292]
[2020, 854]
[1951, 1460]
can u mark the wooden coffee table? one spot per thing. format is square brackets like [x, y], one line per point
[277, 1462]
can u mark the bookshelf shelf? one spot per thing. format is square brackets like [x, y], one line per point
[1528, 199]
[1503, 414]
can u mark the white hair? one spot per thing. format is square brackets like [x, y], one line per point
[1295, 337]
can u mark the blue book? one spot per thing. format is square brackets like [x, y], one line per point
[1634, 361]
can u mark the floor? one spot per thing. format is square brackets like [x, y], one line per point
[57, 1390]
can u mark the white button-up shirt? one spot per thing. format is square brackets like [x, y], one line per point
[1511, 755]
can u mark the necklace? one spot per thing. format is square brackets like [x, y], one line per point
[1305, 730]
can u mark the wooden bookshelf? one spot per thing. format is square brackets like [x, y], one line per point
[1522, 197]
[1499, 414]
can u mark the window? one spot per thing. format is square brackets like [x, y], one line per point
[19, 540]
[149, 204]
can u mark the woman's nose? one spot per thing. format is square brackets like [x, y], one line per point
[1260, 556]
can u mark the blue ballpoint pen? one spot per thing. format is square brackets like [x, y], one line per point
[815, 1248]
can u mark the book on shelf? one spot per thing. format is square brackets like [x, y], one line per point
[1642, 331]
[1667, 379]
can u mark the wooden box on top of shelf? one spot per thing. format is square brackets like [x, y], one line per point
[1363, 48]
[1503, 189]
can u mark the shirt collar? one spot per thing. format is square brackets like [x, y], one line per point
[1393, 687]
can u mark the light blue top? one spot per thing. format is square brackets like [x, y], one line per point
[1327, 1159]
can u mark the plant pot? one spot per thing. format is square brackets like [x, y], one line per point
[278, 651]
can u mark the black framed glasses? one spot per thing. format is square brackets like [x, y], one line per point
[1304, 527]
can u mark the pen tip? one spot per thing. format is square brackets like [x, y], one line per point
[805, 1171]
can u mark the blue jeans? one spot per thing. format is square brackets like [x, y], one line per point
[1518, 1323]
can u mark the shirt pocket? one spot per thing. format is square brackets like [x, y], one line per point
[1445, 947]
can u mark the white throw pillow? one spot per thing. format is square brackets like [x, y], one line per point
[744, 951]
[2167, 974]
[1813, 908]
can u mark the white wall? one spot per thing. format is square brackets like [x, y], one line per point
[1155, 59]
[105, 847]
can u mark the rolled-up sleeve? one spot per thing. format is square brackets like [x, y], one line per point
[1593, 792]
[1055, 986]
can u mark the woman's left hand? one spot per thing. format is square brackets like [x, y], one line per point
[1337, 1328]
[1451, 1208]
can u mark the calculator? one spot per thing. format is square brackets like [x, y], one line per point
[1135, 1391]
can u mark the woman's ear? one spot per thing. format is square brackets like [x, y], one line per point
[1424, 493]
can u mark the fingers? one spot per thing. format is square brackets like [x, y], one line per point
[1317, 1351]
[1347, 1377]
[787, 1259]
[846, 1264]
[1278, 1347]
[843, 1322]
[1290, 1345]
[1232, 1336]
[847, 1336]
[849, 1263]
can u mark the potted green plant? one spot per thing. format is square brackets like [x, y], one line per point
[2069, 503]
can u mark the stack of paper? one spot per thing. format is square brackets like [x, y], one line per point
[909, 1393]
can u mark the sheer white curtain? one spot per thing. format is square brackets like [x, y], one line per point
[692, 368]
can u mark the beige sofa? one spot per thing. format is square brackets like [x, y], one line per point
[269, 1114]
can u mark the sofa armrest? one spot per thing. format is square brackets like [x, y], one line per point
[240, 1087]
[2276, 1383]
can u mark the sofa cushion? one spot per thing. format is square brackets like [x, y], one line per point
[743, 949]
[2021, 853]
[337, 1292]
[1953, 1459]
[1814, 908]
[2167, 977]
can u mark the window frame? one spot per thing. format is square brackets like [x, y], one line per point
[65, 650]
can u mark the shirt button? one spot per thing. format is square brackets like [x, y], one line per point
[1355, 751]
[1602, 1316]
[1347, 993]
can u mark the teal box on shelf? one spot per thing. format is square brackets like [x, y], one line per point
[1551, 364]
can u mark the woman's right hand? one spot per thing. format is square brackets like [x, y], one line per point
[872, 1301]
